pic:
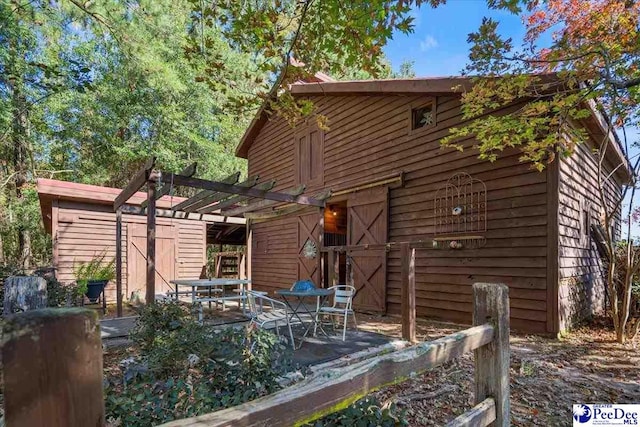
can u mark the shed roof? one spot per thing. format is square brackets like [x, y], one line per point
[52, 189]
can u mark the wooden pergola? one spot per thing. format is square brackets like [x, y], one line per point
[216, 200]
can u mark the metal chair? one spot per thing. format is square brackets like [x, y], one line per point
[268, 319]
[342, 305]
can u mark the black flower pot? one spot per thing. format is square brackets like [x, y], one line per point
[94, 289]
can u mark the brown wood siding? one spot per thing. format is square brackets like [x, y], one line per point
[85, 230]
[581, 288]
[369, 137]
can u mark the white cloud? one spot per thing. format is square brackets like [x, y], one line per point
[428, 43]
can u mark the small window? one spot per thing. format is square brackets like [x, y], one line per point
[423, 116]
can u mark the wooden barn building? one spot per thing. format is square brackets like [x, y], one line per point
[82, 224]
[382, 160]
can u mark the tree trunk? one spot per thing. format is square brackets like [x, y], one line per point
[19, 136]
[2, 261]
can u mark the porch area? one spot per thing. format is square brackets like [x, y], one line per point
[375, 334]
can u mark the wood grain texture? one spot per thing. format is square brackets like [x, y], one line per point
[85, 230]
[481, 415]
[52, 364]
[368, 139]
[491, 304]
[408, 293]
[581, 288]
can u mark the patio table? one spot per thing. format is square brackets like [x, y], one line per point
[213, 286]
[321, 296]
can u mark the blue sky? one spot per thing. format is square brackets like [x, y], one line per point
[438, 46]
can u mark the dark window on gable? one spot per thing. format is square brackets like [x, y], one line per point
[423, 116]
[310, 156]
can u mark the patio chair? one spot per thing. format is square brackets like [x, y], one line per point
[268, 319]
[342, 306]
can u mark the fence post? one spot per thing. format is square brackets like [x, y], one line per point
[53, 369]
[491, 305]
[408, 304]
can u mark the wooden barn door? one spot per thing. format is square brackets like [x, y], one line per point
[137, 258]
[308, 233]
[367, 216]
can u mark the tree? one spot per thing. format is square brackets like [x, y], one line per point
[293, 40]
[27, 78]
[82, 90]
[576, 56]
[88, 85]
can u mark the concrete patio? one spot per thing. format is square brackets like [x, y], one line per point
[312, 351]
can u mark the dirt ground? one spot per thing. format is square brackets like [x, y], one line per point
[547, 375]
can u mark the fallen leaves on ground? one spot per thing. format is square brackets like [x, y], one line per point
[548, 375]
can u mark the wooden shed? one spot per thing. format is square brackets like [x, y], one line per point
[382, 159]
[82, 223]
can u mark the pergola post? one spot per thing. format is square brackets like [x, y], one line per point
[408, 295]
[319, 254]
[249, 253]
[151, 237]
[119, 262]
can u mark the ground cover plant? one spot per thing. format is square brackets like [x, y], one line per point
[179, 368]
[183, 369]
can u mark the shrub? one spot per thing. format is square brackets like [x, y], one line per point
[96, 269]
[186, 369]
[366, 412]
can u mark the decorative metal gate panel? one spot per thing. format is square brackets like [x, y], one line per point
[460, 209]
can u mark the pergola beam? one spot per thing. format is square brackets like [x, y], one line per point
[167, 213]
[262, 204]
[166, 188]
[216, 196]
[238, 190]
[231, 179]
[236, 199]
[140, 178]
[285, 210]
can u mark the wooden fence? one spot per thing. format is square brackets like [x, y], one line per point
[334, 389]
[53, 372]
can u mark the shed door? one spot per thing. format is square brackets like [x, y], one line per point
[137, 258]
[309, 229]
[367, 214]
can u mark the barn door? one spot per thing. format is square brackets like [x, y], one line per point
[137, 258]
[309, 229]
[367, 214]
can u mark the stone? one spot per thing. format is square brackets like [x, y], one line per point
[24, 293]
